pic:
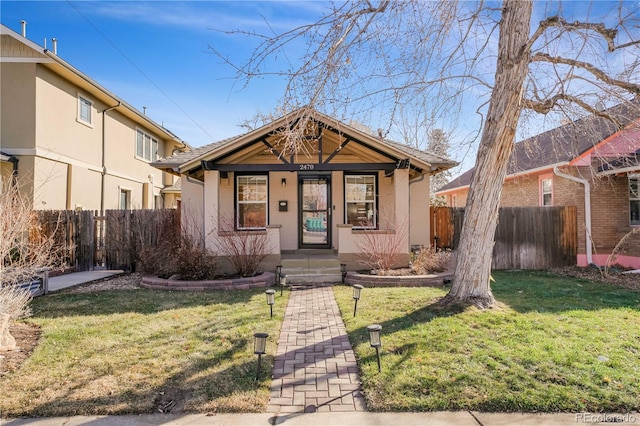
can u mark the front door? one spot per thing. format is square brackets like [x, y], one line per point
[315, 212]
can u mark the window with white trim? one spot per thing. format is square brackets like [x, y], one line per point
[146, 146]
[634, 200]
[546, 192]
[360, 201]
[251, 201]
[85, 110]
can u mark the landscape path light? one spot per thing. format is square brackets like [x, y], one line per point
[343, 271]
[283, 282]
[374, 340]
[271, 299]
[259, 348]
[278, 273]
[357, 288]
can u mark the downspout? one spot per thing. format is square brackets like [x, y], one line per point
[104, 150]
[587, 210]
[14, 174]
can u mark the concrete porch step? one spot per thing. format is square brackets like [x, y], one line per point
[311, 268]
[296, 279]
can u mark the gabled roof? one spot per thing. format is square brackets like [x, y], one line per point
[562, 144]
[183, 162]
[64, 69]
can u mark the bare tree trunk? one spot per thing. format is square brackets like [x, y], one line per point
[473, 267]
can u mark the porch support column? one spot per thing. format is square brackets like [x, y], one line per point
[419, 226]
[211, 208]
[401, 190]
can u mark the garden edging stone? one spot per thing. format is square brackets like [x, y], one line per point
[265, 279]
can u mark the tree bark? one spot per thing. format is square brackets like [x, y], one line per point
[473, 267]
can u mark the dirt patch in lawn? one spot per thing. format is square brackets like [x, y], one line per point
[614, 276]
[27, 335]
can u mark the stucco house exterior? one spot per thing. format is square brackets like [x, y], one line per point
[591, 163]
[71, 143]
[339, 187]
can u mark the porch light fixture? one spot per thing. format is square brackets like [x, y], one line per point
[271, 299]
[374, 340]
[284, 182]
[283, 282]
[343, 271]
[259, 348]
[278, 273]
[357, 288]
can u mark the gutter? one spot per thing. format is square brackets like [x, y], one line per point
[587, 210]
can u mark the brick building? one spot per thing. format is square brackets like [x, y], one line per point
[593, 164]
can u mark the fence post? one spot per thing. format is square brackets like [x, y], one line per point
[45, 282]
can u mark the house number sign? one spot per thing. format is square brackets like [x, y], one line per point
[307, 166]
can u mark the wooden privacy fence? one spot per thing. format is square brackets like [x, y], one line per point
[112, 241]
[525, 238]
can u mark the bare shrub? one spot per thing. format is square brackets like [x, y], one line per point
[195, 262]
[14, 301]
[25, 249]
[245, 248]
[182, 257]
[428, 261]
[382, 248]
[614, 253]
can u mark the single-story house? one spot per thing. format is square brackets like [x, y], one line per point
[338, 190]
[591, 163]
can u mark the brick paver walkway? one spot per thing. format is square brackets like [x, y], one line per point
[315, 369]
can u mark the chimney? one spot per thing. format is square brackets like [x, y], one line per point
[144, 110]
[54, 42]
[23, 23]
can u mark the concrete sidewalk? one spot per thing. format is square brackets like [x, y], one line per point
[76, 278]
[459, 418]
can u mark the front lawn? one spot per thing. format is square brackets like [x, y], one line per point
[142, 351]
[554, 344]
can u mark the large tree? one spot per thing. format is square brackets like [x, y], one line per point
[385, 57]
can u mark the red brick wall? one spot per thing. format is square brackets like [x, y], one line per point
[609, 206]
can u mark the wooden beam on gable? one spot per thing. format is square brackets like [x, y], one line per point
[274, 151]
[337, 150]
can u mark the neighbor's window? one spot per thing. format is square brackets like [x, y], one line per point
[84, 110]
[546, 192]
[125, 199]
[360, 200]
[634, 199]
[146, 146]
[251, 207]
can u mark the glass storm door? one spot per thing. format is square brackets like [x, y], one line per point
[315, 213]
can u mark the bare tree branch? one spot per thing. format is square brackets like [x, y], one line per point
[598, 73]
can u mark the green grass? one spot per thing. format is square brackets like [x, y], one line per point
[554, 344]
[132, 351]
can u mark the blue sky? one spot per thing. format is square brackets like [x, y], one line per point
[156, 54]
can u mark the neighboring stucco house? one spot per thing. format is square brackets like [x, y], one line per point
[590, 163]
[71, 142]
[340, 187]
